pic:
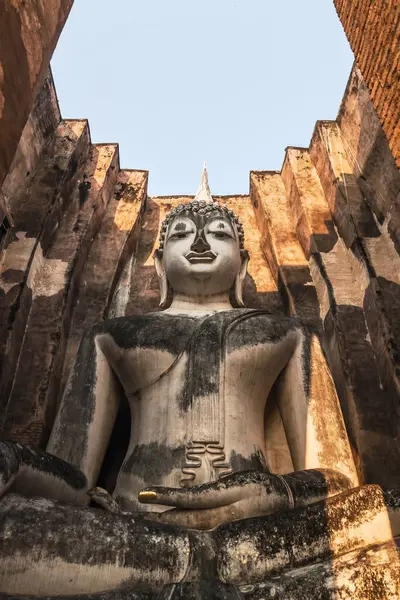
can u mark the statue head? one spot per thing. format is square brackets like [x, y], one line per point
[201, 252]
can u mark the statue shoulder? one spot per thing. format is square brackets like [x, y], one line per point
[159, 330]
[287, 323]
[254, 326]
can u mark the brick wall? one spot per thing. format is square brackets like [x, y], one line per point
[373, 30]
[29, 32]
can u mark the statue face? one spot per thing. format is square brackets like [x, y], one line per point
[201, 254]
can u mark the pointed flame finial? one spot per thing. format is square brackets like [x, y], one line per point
[204, 192]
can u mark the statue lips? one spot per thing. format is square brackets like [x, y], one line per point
[201, 257]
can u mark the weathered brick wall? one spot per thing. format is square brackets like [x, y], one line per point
[29, 32]
[373, 30]
[75, 216]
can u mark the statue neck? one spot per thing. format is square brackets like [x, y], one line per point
[199, 305]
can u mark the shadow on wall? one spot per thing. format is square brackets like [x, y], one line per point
[15, 77]
[371, 189]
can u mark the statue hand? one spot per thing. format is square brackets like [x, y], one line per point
[237, 496]
[242, 495]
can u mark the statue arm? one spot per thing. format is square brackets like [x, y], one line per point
[311, 412]
[88, 409]
[70, 466]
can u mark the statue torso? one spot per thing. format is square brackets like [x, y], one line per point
[197, 389]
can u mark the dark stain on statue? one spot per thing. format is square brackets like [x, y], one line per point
[255, 461]
[43, 462]
[156, 460]
[184, 398]
[258, 327]
[102, 538]
[72, 409]
[208, 343]
[154, 330]
[180, 227]
[205, 357]
[316, 484]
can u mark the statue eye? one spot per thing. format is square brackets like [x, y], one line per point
[180, 235]
[220, 235]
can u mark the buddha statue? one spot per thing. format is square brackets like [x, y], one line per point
[199, 376]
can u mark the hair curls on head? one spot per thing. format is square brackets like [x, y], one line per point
[202, 208]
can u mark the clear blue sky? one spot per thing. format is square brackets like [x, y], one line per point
[177, 82]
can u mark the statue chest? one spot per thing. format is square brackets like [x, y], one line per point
[234, 353]
[212, 391]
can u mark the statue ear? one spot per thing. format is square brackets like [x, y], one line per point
[162, 278]
[240, 277]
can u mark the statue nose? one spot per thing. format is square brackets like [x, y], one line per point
[200, 244]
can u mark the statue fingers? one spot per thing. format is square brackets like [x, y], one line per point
[204, 496]
[259, 503]
[228, 490]
[204, 519]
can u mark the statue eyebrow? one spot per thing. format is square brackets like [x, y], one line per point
[180, 226]
[222, 223]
